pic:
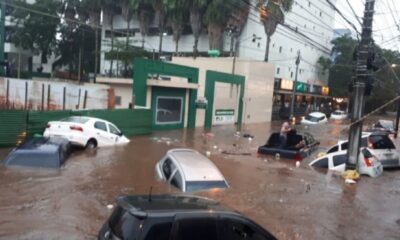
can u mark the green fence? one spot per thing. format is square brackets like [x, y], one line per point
[15, 125]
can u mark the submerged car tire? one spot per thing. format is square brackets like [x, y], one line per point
[91, 144]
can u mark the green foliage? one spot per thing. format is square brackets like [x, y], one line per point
[38, 32]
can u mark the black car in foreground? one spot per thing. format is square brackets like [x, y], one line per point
[297, 146]
[177, 217]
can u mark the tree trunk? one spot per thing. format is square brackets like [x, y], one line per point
[215, 34]
[176, 47]
[267, 48]
[96, 52]
[112, 43]
[128, 25]
[195, 24]
[161, 29]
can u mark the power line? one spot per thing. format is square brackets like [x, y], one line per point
[341, 14]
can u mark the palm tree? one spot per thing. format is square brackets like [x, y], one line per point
[144, 12]
[196, 9]
[177, 14]
[272, 13]
[110, 8]
[93, 8]
[217, 16]
[159, 7]
[127, 13]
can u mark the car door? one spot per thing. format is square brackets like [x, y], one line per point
[238, 228]
[339, 161]
[195, 227]
[101, 133]
[115, 133]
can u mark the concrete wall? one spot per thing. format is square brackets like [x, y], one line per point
[98, 96]
[258, 88]
[122, 88]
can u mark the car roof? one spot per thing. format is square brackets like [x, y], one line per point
[169, 204]
[88, 118]
[317, 114]
[195, 166]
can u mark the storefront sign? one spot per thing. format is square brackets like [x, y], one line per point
[224, 116]
[286, 84]
[300, 87]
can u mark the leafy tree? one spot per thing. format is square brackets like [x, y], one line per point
[160, 9]
[37, 32]
[272, 13]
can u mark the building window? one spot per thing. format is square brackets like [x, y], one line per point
[291, 74]
[291, 49]
[280, 49]
[278, 70]
[309, 3]
[320, 14]
[118, 100]
[273, 45]
[169, 110]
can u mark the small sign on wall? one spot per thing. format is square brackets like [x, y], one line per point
[224, 116]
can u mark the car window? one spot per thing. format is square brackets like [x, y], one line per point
[192, 186]
[339, 159]
[101, 126]
[322, 163]
[381, 142]
[160, 230]
[200, 228]
[168, 167]
[364, 143]
[177, 180]
[114, 130]
[238, 229]
[124, 225]
[75, 119]
[333, 149]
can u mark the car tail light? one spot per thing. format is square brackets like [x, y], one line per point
[76, 128]
[368, 162]
[48, 126]
[298, 157]
[370, 144]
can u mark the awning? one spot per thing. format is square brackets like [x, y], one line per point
[301, 94]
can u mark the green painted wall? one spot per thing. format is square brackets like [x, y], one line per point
[144, 67]
[15, 123]
[211, 78]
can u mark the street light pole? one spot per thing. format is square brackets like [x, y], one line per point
[359, 87]
[294, 86]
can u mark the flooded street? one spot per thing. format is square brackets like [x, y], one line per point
[292, 203]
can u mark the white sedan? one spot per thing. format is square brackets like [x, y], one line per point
[314, 118]
[336, 161]
[86, 132]
[338, 115]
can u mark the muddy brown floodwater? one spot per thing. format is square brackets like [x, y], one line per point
[292, 203]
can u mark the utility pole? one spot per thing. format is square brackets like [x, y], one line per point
[294, 86]
[359, 87]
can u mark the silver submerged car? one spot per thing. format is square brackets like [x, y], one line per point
[189, 171]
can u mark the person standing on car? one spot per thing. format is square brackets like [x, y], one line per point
[283, 134]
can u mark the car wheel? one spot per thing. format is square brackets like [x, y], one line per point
[91, 144]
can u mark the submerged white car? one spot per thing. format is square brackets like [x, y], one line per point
[338, 115]
[86, 132]
[336, 161]
[189, 171]
[314, 118]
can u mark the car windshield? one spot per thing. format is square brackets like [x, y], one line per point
[381, 142]
[193, 186]
[313, 118]
[337, 113]
[81, 120]
[386, 124]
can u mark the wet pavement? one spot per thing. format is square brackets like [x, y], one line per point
[291, 202]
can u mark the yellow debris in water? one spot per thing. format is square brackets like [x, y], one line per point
[351, 174]
[321, 154]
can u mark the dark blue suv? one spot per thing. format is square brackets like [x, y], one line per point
[166, 217]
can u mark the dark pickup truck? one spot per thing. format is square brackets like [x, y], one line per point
[297, 146]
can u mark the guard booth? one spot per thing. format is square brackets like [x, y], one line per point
[173, 102]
